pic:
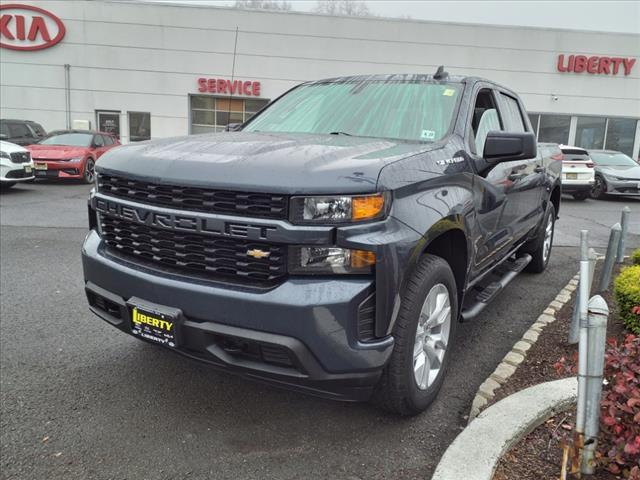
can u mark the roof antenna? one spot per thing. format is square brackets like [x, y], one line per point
[440, 73]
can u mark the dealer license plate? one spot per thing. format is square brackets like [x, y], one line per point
[40, 166]
[27, 169]
[157, 325]
[572, 176]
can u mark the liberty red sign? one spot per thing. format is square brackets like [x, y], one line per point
[595, 64]
[25, 27]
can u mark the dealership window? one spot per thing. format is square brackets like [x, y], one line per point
[620, 134]
[590, 132]
[554, 128]
[139, 126]
[109, 121]
[213, 114]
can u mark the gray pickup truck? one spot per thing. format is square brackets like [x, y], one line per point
[333, 243]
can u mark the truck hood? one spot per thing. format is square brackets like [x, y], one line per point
[262, 162]
[56, 152]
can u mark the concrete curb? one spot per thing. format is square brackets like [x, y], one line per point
[474, 454]
[518, 353]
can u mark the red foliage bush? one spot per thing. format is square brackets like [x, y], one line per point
[620, 407]
[619, 441]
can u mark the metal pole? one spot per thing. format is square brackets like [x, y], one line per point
[597, 328]
[67, 92]
[583, 334]
[623, 234]
[574, 328]
[612, 251]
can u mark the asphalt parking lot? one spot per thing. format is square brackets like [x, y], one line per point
[78, 399]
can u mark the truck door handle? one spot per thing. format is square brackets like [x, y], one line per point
[539, 169]
[516, 176]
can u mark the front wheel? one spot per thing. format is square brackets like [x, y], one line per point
[89, 170]
[543, 243]
[599, 189]
[423, 334]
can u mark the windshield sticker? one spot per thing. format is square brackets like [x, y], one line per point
[448, 92]
[450, 161]
[428, 134]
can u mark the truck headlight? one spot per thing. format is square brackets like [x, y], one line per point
[330, 260]
[339, 209]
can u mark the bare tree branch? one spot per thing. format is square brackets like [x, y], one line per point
[263, 5]
[343, 7]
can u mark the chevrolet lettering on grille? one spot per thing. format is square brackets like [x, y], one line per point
[213, 226]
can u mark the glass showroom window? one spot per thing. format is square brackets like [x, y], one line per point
[212, 114]
[139, 126]
[554, 128]
[590, 132]
[620, 134]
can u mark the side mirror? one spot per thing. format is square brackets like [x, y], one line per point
[509, 146]
[233, 127]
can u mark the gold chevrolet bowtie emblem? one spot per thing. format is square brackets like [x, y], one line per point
[257, 253]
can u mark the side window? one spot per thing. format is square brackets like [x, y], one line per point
[4, 130]
[19, 130]
[108, 140]
[98, 141]
[511, 114]
[485, 119]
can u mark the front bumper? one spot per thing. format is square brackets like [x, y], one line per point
[306, 325]
[58, 169]
[623, 187]
[16, 172]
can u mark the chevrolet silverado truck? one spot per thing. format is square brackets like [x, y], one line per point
[334, 242]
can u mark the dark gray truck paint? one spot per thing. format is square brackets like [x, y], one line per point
[446, 199]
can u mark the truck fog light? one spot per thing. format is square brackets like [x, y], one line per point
[330, 260]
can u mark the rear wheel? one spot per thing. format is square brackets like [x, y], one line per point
[599, 189]
[89, 170]
[423, 334]
[581, 195]
[542, 244]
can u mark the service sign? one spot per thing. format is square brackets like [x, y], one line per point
[25, 27]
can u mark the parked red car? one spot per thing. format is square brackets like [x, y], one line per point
[70, 153]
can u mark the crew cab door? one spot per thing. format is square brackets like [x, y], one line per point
[525, 178]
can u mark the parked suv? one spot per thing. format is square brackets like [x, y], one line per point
[15, 164]
[333, 244]
[578, 174]
[21, 132]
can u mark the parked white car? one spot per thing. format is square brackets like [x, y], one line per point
[15, 164]
[578, 174]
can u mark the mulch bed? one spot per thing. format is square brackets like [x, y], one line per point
[538, 456]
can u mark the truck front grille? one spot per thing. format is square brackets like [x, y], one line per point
[193, 254]
[261, 205]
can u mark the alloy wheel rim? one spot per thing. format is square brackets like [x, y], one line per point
[432, 336]
[90, 170]
[548, 235]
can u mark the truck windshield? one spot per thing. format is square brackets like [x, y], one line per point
[382, 109]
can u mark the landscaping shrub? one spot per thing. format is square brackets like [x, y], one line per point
[619, 442]
[627, 293]
[635, 257]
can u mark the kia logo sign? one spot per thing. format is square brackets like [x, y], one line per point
[24, 27]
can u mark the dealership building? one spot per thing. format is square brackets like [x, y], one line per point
[151, 70]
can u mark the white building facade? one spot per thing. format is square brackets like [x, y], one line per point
[156, 70]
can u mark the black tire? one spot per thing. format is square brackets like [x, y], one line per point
[397, 391]
[581, 195]
[539, 260]
[89, 172]
[599, 190]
